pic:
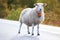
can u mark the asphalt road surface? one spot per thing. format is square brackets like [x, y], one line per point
[9, 31]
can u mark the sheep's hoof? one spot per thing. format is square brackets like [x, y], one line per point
[18, 32]
[28, 32]
[38, 34]
[32, 34]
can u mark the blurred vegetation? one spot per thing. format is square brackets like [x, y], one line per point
[11, 9]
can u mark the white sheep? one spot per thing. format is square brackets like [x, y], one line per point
[32, 16]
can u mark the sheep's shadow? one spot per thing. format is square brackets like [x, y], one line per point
[25, 37]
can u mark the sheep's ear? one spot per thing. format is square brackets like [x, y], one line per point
[44, 4]
[35, 4]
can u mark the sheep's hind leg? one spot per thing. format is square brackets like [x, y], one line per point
[32, 29]
[20, 28]
[38, 29]
[28, 29]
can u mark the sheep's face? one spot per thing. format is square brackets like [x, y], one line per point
[39, 7]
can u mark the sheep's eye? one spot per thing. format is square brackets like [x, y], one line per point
[37, 5]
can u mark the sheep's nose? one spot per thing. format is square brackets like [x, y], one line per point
[40, 10]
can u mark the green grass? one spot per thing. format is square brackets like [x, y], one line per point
[52, 11]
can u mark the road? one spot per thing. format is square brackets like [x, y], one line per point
[9, 31]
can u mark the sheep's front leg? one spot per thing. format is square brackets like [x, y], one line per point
[32, 29]
[28, 29]
[20, 28]
[38, 29]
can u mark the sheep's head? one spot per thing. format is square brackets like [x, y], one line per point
[39, 7]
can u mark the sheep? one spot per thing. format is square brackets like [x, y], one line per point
[32, 16]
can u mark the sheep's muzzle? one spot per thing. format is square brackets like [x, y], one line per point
[39, 14]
